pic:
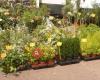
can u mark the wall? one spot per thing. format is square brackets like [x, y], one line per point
[61, 2]
[88, 3]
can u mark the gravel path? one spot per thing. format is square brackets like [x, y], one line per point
[82, 71]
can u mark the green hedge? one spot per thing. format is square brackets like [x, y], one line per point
[70, 48]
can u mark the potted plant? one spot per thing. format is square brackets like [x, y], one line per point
[70, 51]
[89, 42]
[14, 61]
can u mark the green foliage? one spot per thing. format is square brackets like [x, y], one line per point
[49, 52]
[78, 5]
[96, 10]
[13, 60]
[68, 7]
[70, 48]
[89, 37]
[92, 45]
[84, 30]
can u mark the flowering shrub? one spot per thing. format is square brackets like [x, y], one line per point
[12, 60]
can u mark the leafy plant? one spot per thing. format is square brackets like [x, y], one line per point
[92, 44]
[84, 30]
[13, 60]
[70, 48]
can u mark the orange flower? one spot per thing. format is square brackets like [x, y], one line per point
[3, 55]
[37, 53]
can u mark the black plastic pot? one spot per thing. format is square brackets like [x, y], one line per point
[69, 61]
[90, 58]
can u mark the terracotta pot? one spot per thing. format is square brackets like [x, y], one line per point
[50, 62]
[98, 54]
[35, 64]
[42, 64]
[94, 55]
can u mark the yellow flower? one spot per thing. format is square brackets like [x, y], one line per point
[84, 40]
[51, 17]
[32, 44]
[49, 39]
[92, 15]
[3, 55]
[9, 47]
[59, 44]
[27, 48]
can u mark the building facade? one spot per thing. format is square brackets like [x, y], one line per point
[55, 6]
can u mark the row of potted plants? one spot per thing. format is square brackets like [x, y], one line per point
[46, 46]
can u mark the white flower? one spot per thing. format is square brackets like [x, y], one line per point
[49, 39]
[79, 13]
[69, 13]
[6, 13]
[93, 15]
[59, 22]
[1, 19]
[51, 17]
[32, 21]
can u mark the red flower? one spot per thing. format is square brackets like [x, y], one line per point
[37, 53]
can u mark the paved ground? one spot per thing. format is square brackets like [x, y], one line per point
[82, 71]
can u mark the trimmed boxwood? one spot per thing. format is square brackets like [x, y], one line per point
[70, 48]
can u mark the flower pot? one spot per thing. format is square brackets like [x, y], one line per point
[69, 61]
[21, 68]
[90, 57]
[34, 65]
[51, 63]
[42, 64]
